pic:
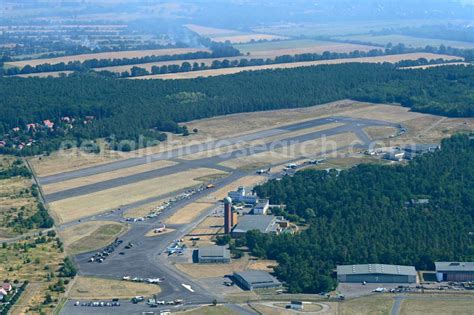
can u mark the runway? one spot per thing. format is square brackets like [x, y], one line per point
[350, 125]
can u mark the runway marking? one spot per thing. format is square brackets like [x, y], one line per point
[188, 287]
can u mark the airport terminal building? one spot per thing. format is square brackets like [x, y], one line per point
[376, 273]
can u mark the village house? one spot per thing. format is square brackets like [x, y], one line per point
[7, 287]
[2, 293]
[30, 126]
[48, 123]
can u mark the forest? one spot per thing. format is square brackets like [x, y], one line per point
[127, 109]
[370, 214]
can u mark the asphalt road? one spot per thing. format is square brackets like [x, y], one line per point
[351, 125]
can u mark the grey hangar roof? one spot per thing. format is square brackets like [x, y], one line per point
[262, 223]
[454, 266]
[256, 277]
[213, 252]
[376, 269]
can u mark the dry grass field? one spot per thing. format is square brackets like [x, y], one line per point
[372, 305]
[380, 132]
[224, 71]
[209, 310]
[15, 196]
[89, 288]
[69, 160]
[105, 55]
[21, 265]
[449, 306]
[78, 207]
[81, 181]
[188, 213]
[91, 235]
[264, 265]
[142, 211]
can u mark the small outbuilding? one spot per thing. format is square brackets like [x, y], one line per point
[213, 255]
[256, 279]
[261, 207]
[376, 273]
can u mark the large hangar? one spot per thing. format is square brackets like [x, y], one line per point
[454, 271]
[376, 273]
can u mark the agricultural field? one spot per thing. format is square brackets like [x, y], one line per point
[74, 208]
[105, 55]
[91, 235]
[225, 71]
[89, 288]
[233, 36]
[299, 46]
[409, 41]
[339, 29]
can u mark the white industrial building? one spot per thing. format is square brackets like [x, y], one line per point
[261, 207]
[240, 196]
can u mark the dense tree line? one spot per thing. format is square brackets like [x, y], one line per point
[126, 109]
[217, 51]
[244, 62]
[367, 215]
